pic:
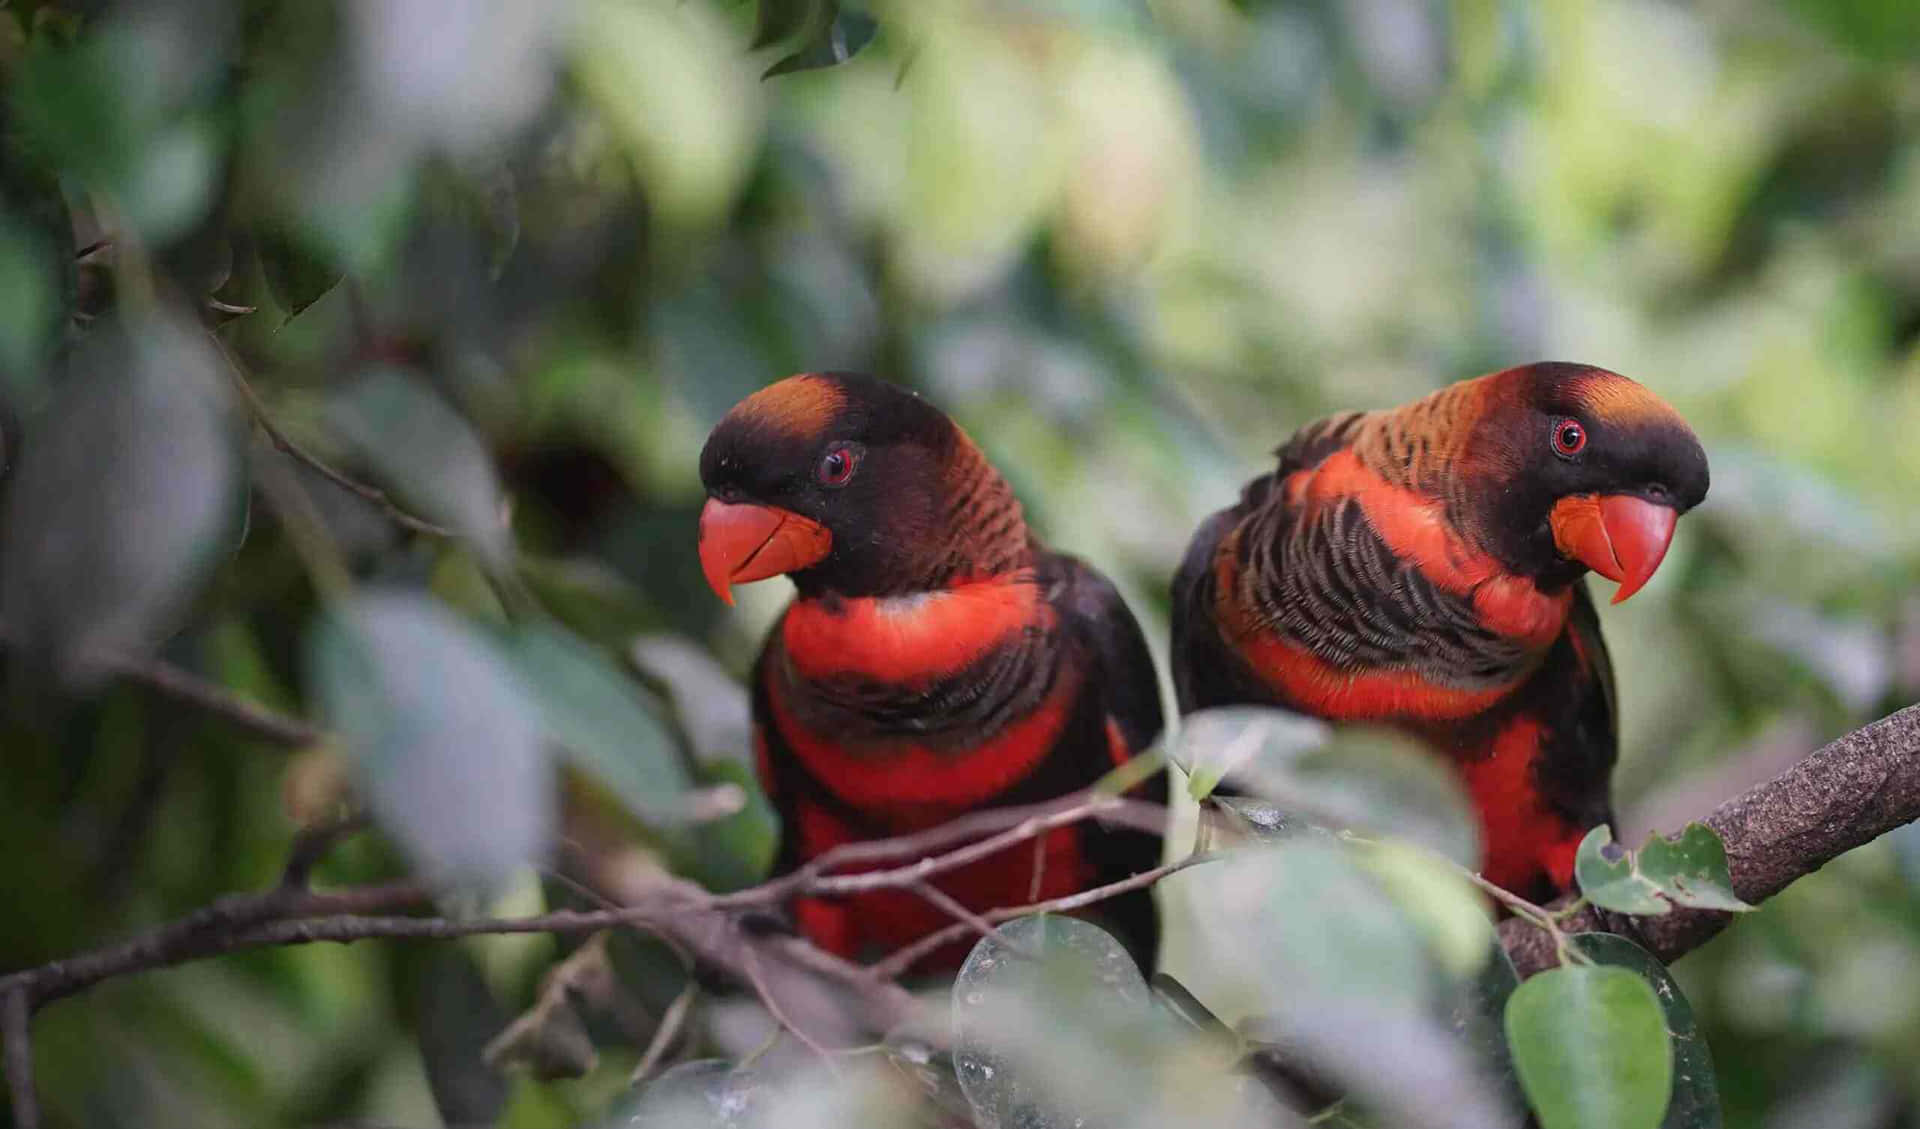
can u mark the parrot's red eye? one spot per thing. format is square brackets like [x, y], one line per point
[1568, 437]
[837, 466]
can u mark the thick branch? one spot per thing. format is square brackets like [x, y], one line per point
[1842, 796]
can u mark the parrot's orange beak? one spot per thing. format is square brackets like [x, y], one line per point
[1619, 536]
[741, 542]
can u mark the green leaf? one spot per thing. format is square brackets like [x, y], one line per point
[1695, 1102]
[31, 315]
[425, 452]
[1591, 1047]
[1610, 880]
[1691, 869]
[602, 719]
[445, 741]
[1368, 781]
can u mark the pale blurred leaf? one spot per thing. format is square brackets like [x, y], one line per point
[1055, 1029]
[426, 453]
[712, 706]
[1368, 781]
[1591, 1047]
[445, 741]
[670, 79]
[124, 497]
[706, 1093]
[602, 719]
[1306, 940]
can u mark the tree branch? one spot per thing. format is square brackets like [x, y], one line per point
[209, 697]
[1839, 797]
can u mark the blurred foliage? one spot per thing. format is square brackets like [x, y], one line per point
[508, 261]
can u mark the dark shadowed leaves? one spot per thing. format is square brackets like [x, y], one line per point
[1370, 782]
[296, 275]
[30, 279]
[1590, 1045]
[426, 453]
[124, 496]
[605, 722]
[1689, 869]
[446, 743]
[1695, 1102]
[457, 1014]
[838, 36]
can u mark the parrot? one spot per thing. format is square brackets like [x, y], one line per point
[1423, 568]
[935, 660]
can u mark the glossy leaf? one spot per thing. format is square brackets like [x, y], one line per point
[446, 743]
[602, 719]
[1591, 1047]
[1695, 1102]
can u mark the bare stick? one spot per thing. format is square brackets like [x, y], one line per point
[666, 1033]
[16, 1020]
[902, 960]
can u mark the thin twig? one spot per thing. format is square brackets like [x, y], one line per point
[900, 961]
[209, 697]
[310, 846]
[16, 1023]
[750, 964]
[664, 1035]
[946, 904]
[257, 409]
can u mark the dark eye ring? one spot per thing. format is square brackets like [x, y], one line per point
[837, 466]
[1569, 438]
